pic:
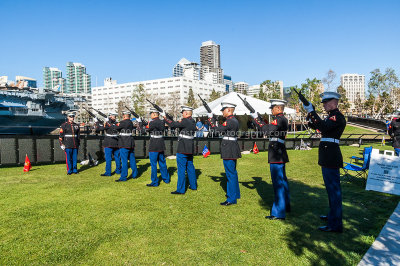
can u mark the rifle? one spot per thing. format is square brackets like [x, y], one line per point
[208, 109]
[100, 113]
[92, 115]
[301, 97]
[248, 106]
[160, 110]
[135, 114]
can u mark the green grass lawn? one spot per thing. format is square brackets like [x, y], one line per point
[48, 217]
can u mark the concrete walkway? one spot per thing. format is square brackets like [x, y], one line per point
[386, 248]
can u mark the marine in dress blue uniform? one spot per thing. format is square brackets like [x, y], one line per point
[69, 141]
[156, 149]
[126, 145]
[184, 155]
[329, 156]
[110, 143]
[277, 157]
[230, 150]
[394, 132]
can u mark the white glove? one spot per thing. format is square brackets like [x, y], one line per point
[163, 114]
[210, 115]
[309, 108]
[138, 120]
[106, 120]
[62, 147]
[254, 115]
[96, 120]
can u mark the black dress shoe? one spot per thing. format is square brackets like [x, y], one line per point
[151, 185]
[177, 193]
[323, 218]
[226, 203]
[104, 175]
[271, 217]
[329, 229]
[119, 180]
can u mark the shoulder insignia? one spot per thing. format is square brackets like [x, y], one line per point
[275, 122]
[333, 118]
[224, 124]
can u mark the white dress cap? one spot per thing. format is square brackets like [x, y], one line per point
[227, 105]
[329, 95]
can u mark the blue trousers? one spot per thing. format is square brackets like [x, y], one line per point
[185, 164]
[72, 156]
[281, 190]
[332, 184]
[397, 151]
[232, 184]
[160, 158]
[109, 152]
[127, 154]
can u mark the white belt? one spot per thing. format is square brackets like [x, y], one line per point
[229, 138]
[186, 136]
[156, 136]
[71, 136]
[108, 135]
[125, 134]
[278, 140]
[330, 140]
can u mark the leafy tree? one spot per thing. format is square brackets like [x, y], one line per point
[272, 89]
[139, 100]
[214, 95]
[381, 86]
[359, 105]
[293, 101]
[191, 99]
[311, 92]
[262, 95]
[344, 104]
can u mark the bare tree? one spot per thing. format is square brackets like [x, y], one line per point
[329, 80]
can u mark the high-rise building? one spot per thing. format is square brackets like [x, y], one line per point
[52, 79]
[28, 82]
[210, 61]
[185, 68]
[354, 84]
[228, 83]
[242, 87]
[78, 81]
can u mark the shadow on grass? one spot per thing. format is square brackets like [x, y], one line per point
[221, 179]
[364, 214]
[171, 170]
[264, 190]
[142, 168]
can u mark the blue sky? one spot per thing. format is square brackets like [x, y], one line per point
[139, 40]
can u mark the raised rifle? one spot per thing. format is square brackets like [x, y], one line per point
[248, 106]
[135, 114]
[158, 108]
[301, 97]
[92, 115]
[100, 113]
[208, 109]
